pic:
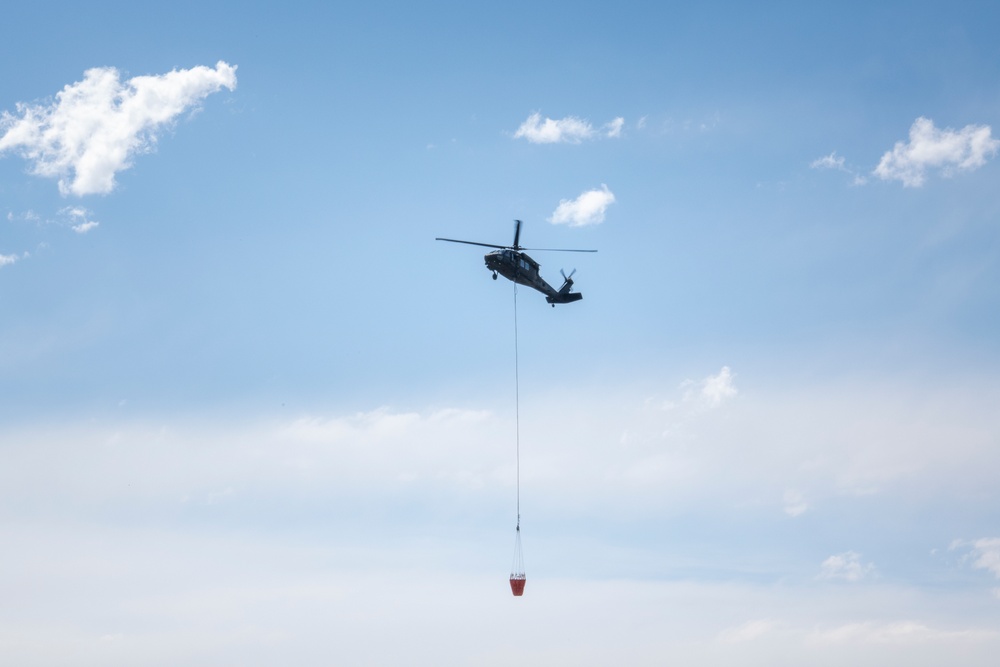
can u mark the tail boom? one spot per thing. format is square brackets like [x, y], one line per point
[564, 295]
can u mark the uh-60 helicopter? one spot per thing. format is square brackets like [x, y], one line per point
[510, 262]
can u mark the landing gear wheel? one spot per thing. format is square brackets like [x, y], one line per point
[494, 275]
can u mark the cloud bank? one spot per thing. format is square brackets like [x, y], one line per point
[930, 148]
[569, 130]
[587, 209]
[95, 127]
[388, 521]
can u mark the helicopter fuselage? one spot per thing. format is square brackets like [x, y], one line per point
[523, 270]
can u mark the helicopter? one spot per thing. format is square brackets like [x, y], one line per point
[513, 264]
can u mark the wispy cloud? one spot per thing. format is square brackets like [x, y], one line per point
[79, 217]
[837, 162]
[931, 148]
[748, 632]
[710, 392]
[7, 260]
[831, 161]
[717, 388]
[794, 503]
[569, 130]
[896, 632]
[987, 554]
[984, 552]
[613, 129]
[95, 127]
[846, 566]
[587, 209]
[27, 216]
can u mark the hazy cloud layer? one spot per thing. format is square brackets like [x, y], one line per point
[570, 130]
[369, 520]
[116, 595]
[587, 209]
[701, 444]
[95, 127]
[931, 148]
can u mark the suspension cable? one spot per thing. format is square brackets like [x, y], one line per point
[517, 412]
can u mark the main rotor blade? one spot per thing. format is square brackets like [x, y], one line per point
[517, 233]
[555, 250]
[486, 245]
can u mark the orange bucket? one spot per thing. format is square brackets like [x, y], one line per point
[517, 584]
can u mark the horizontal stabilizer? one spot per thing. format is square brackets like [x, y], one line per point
[568, 297]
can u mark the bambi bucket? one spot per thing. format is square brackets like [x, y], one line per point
[517, 585]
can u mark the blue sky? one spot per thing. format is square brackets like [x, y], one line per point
[252, 412]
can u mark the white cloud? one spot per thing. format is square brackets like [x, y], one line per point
[566, 130]
[96, 126]
[587, 209]
[948, 150]
[569, 130]
[6, 260]
[846, 566]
